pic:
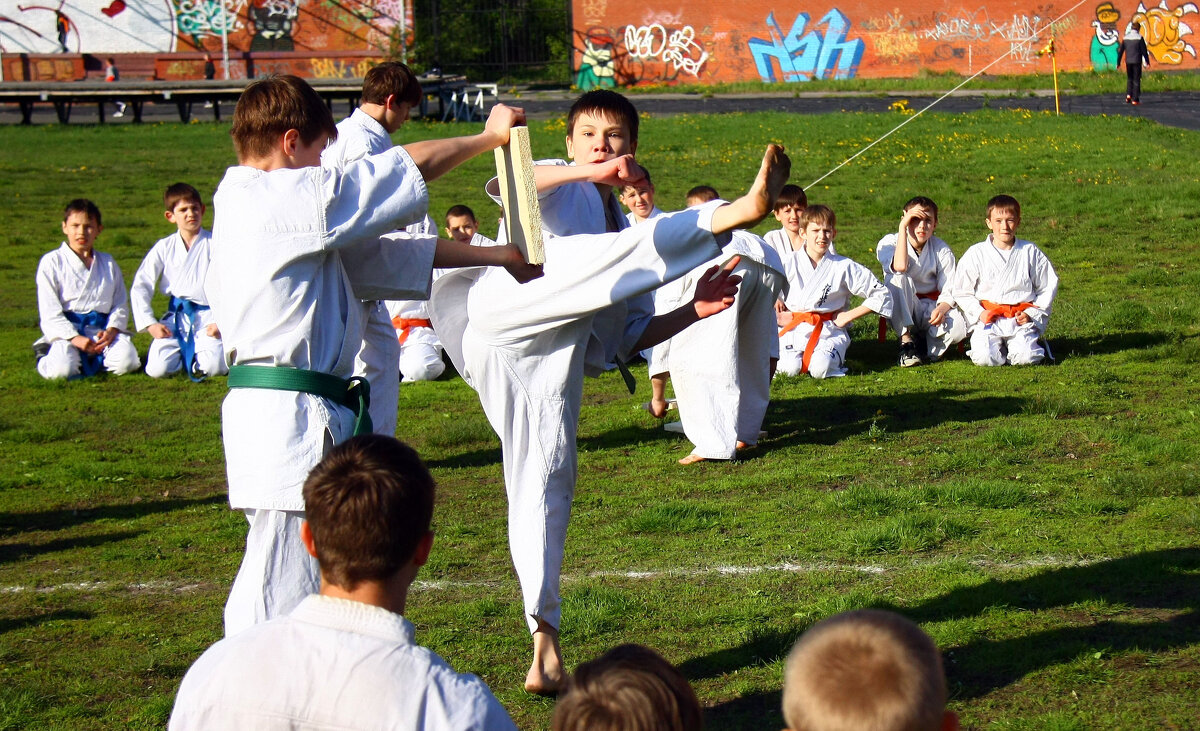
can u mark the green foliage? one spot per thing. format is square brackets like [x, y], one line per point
[1028, 518]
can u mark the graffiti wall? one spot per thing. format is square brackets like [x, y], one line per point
[625, 43]
[164, 26]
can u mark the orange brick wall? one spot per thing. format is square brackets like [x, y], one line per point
[625, 43]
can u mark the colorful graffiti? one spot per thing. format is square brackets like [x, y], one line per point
[654, 52]
[802, 56]
[1103, 52]
[1164, 30]
[678, 49]
[77, 27]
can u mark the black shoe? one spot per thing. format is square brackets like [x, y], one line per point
[908, 355]
[40, 350]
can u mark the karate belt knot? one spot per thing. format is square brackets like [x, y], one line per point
[993, 311]
[817, 320]
[404, 326]
[921, 296]
[89, 363]
[353, 393]
[185, 312]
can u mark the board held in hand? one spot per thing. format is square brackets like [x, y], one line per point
[518, 195]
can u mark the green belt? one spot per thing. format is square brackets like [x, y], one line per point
[353, 393]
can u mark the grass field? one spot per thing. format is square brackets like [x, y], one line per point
[1040, 523]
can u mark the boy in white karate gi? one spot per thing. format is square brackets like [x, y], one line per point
[789, 208]
[390, 91]
[918, 268]
[722, 365]
[186, 338]
[295, 249]
[1005, 287]
[813, 318]
[345, 657]
[82, 305]
[526, 350]
[639, 199]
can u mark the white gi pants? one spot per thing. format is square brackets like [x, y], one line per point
[910, 312]
[165, 357]
[277, 571]
[722, 367]
[65, 360]
[1004, 341]
[421, 355]
[378, 361]
[828, 359]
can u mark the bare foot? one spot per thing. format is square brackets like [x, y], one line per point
[693, 458]
[546, 675]
[760, 199]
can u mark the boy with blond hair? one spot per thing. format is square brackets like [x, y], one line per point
[296, 248]
[186, 338]
[918, 268]
[82, 305]
[526, 350]
[814, 317]
[865, 670]
[1005, 287]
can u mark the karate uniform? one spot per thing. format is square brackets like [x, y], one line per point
[526, 348]
[360, 135]
[1021, 274]
[722, 365]
[180, 272]
[825, 289]
[654, 213]
[930, 271]
[65, 285]
[331, 664]
[293, 254]
[420, 351]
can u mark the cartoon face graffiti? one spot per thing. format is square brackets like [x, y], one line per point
[1104, 45]
[1164, 30]
[273, 22]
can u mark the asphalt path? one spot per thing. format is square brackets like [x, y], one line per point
[1176, 109]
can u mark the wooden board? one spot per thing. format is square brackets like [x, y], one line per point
[518, 195]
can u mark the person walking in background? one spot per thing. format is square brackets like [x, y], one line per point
[1133, 48]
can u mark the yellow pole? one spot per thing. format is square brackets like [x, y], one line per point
[1054, 65]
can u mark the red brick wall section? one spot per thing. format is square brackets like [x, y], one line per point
[626, 43]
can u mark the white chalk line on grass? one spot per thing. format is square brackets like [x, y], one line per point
[166, 587]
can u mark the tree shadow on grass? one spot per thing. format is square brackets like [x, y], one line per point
[1157, 594]
[754, 711]
[1106, 343]
[16, 623]
[21, 551]
[17, 523]
[476, 458]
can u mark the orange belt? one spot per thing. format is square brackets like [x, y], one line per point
[921, 296]
[817, 320]
[404, 326]
[993, 310]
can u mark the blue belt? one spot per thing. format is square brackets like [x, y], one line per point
[89, 363]
[185, 314]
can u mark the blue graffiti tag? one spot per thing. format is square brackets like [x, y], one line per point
[809, 56]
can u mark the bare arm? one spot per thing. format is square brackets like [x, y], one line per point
[845, 318]
[435, 158]
[714, 293]
[452, 254]
[619, 171]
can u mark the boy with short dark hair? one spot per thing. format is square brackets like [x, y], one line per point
[639, 199]
[814, 320]
[345, 657]
[1005, 287]
[867, 670]
[526, 350]
[82, 304]
[628, 688]
[296, 248]
[918, 268]
[788, 210]
[186, 337]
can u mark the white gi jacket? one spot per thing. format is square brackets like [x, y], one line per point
[331, 664]
[293, 253]
[64, 284]
[174, 268]
[1022, 274]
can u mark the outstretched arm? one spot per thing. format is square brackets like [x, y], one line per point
[619, 171]
[435, 158]
[451, 254]
[715, 293]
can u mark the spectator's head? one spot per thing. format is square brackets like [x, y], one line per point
[789, 206]
[865, 670]
[461, 224]
[639, 197]
[368, 505]
[184, 208]
[628, 688]
[81, 224]
[281, 114]
[1003, 217]
[391, 91]
[701, 194]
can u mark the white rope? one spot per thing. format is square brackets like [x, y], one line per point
[966, 81]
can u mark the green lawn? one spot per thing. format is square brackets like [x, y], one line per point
[1040, 523]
